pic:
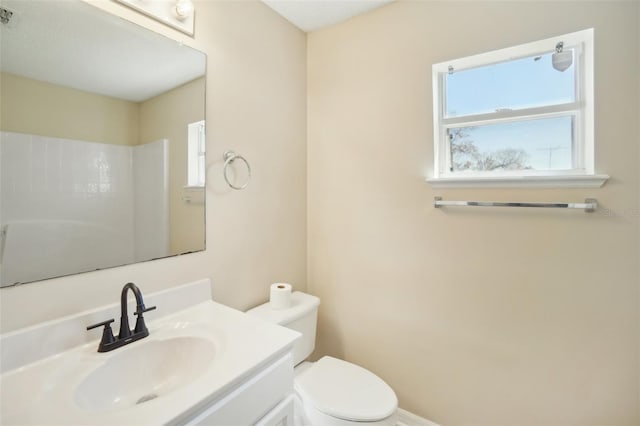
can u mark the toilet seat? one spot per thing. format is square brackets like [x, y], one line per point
[346, 391]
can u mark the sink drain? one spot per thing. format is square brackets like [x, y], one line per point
[146, 398]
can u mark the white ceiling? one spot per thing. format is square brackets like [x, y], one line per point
[311, 15]
[76, 45]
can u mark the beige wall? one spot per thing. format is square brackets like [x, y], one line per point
[167, 116]
[256, 104]
[39, 108]
[475, 317]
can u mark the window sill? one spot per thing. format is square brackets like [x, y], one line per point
[193, 195]
[573, 181]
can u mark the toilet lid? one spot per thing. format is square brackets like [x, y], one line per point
[346, 391]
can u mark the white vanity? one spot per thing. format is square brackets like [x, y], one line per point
[203, 363]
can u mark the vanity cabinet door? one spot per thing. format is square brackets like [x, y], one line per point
[248, 402]
[281, 415]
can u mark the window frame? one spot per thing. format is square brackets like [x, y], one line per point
[196, 155]
[582, 109]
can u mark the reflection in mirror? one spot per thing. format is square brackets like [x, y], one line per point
[97, 114]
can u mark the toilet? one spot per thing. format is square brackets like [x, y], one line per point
[330, 391]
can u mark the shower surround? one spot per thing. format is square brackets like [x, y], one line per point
[87, 202]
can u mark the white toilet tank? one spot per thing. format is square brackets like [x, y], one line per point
[301, 316]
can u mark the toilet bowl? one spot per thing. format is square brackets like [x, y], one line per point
[330, 391]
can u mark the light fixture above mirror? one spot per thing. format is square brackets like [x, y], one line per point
[178, 14]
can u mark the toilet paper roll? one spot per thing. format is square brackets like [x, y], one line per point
[280, 297]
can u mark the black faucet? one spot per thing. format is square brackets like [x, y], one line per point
[126, 336]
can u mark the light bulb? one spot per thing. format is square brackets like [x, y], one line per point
[183, 9]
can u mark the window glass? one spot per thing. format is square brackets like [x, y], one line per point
[540, 144]
[522, 112]
[522, 83]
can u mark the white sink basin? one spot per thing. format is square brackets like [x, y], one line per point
[144, 371]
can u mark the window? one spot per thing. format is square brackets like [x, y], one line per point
[195, 154]
[522, 114]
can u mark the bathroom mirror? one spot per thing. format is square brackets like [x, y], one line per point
[101, 142]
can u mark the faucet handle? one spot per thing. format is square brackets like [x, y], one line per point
[107, 334]
[140, 312]
[100, 324]
[141, 327]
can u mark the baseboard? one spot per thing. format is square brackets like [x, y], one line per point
[406, 418]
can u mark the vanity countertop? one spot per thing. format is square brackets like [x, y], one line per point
[58, 389]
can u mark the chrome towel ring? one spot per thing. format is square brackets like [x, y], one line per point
[230, 157]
